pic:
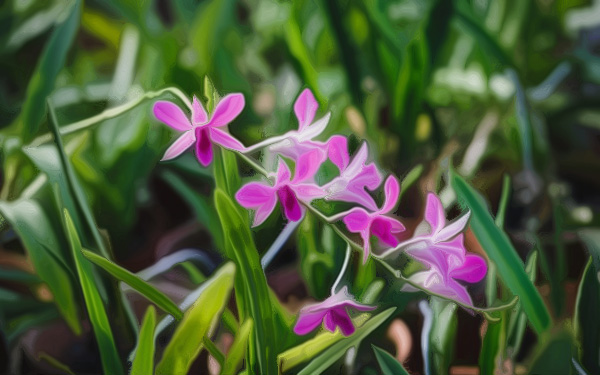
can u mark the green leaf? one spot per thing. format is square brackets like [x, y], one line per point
[143, 363]
[42, 81]
[492, 346]
[333, 353]
[555, 354]
[134, 281]
[37, 234]
[251, 285]
[18, 276]
[111, 363]
[500, 251]
[238, 348]
[389, 365]
[198, 321]
[442, 334]
[587, 311]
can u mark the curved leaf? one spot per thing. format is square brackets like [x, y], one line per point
[143, 362]
[389, 365]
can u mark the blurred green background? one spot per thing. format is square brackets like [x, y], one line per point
[490, 87]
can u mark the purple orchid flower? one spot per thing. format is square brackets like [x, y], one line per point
[383, 227]
[262, 197]
[199, 129]
[351, 184]
[442, 250]
[297, 144]
[332, 312]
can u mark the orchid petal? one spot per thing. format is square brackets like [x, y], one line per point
[203, 146]
[289, 203]
[283, 173]
[314, 130]
[392, 191]
[227, 109]
[226, 140]
[199, 116]
[382, 229]
[308, 192]
[339, 317]
[357, 220]
[308, 164]
[171, 115]
[305, 108]
[307, 322]
[259, 197]
[337, 149]
[451, 230]
[473, 270]
[434, 213]
[180, 145]
[358, 306]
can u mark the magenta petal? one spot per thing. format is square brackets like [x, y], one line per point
[203, 146]
[259, 197]
[289, 203]
[172, 115]
[199, 116]
[392, 190]
[339, 317]
[180, 145]
[338, 151]
[358, 306]
[227, 109]
[308, 164]
[226, 140]
[473, 269]
[308, 321]
[283, 172]
[308, 192]
[434, 213]
[382, 229]
[305, 108]
[357, 220]
[452, 229]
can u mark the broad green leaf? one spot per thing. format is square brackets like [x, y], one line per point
[198, 321]
[442, 335]
[32, 225]
[389, 365]
[134, 281]
[333, 353]
[42, 82]
[591, 239]
[500, 251]
[111, 364]
[492, 347]
[238, 348]
[251, 285]
[555, 354]
[143, 363]
[587, 325]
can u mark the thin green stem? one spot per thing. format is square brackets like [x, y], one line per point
[214, 351]
[110, 113]
[253, 164]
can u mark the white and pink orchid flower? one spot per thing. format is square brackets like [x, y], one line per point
[262, 197]
[385, 228]
[296, 144]
[441, 249]
[353, 181]
[333, 312]
[200, 129]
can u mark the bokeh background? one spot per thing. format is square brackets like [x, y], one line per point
[492, 88]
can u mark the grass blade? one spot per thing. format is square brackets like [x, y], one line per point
[143, 363]
[500, 251]
[389, 365]
[238, 348]
[198, 321]
[111, 363]
[134, 281]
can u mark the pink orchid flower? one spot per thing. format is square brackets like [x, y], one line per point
[199, 129]
[351, 184]
[297, 144]
[262, 197]
[442, 250]
[383, 227]
[332, 312]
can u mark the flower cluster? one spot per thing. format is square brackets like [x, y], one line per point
[439, 248]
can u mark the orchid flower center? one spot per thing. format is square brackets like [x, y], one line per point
[289, 203]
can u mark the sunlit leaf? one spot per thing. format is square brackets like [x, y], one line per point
[238, 348]
[143, 363]
[198, 321]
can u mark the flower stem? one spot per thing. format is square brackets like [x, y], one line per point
[342, 270]
[110, 113]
